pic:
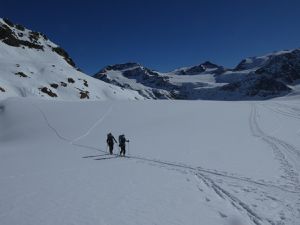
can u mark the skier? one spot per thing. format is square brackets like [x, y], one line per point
[122, 144]
[110, 142]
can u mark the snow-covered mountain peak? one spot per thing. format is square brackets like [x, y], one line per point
[253, 63]
[262, 77]
[130, 69]
[16, 35]
[206, 67]
[134, 76]
[33, 66]
[122, 67]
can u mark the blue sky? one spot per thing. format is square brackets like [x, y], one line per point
[162, 35]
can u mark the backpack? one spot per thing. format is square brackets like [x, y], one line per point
[122, 140]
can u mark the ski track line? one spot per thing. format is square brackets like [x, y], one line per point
[235, 202]
[278, 146]
[290, 114]
[197, 169]
[50, 126]
[284, 144]
[172, 164]
[99, 121]
[70, 141]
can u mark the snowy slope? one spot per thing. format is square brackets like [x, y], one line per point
[33, 66]
[190, 162]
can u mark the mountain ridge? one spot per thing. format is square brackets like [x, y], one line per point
[260, 77]
[33, 66]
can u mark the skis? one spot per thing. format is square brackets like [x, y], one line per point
[104, 156]
[94, 156]
[108, 157]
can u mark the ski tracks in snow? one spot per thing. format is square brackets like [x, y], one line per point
[73, 141]
[99, 121]
[61, 137]
[283, 109]
[283, 151]
[235, 201]
[214, 179]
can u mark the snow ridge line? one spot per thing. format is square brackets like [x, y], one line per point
[277, 147]
[237, 203]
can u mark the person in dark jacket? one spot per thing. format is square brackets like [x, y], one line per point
[122, 144]
[110, 142]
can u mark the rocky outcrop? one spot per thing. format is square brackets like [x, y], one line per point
[48, 92]
[158, 86]
[284, 67]
[257, 86]
[8, 37]
[64, 54]
[17, 35]
[199, 69]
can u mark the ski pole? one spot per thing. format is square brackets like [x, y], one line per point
[128, 148]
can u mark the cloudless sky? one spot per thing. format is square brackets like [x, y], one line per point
[164, 34]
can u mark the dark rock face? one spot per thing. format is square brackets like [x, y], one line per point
[64, 54]
[54, 85]
[21, 74]
[8, 37]
[2, 89]
[200, 69]
[285, 67]
[84, 94]
[71, 80]
[251, 63]
[20, 27]
[63, 84]
[231, 87]
[11, 38]
[265, 86]
[85, 83]
[149, 78]
[48, 92]
[123, 66]
[262, 86]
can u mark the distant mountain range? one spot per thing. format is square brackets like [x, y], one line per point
[263, 77]
[33, 66]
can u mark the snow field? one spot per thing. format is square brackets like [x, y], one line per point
[189, 162]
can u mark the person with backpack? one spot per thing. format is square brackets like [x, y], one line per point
[122, 144]
[110, 142]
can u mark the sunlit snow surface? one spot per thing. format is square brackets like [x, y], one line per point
[190, 162]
